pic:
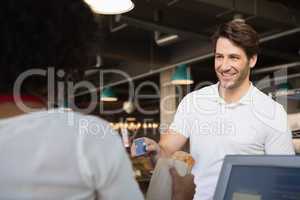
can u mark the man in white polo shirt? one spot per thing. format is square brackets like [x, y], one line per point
[230, 117]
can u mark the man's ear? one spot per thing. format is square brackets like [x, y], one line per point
[252, 61]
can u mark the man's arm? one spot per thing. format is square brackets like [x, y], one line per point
[175, 137]
[170, 142]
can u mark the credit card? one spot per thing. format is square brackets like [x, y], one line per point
[140, 147]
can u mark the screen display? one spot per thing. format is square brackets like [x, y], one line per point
[263, 183]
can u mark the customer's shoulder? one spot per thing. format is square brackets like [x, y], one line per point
[65, 120]
[63, 117]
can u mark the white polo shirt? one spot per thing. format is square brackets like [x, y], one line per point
[254, 125]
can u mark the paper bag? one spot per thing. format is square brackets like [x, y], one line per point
[160, 187]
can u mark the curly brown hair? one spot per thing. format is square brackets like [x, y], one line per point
[36, 34]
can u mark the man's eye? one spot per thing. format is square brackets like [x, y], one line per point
[235, 58]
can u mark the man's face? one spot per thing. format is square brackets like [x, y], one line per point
[231, 64]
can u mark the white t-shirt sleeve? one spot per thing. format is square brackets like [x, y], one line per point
[105, 165]
[120, 182]
[279, 140]
[181, 121]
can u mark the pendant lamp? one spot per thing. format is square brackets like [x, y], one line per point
[108, 94]
[182, 76]
[110, 7]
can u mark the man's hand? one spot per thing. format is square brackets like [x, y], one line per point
[169, 143]
[183, 187]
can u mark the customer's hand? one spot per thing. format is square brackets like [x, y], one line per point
[151, 147]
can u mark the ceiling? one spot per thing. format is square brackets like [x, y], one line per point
[135, 42]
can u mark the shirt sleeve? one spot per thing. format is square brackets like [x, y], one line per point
[105, 165]
[120, 182]
[181, 121]
[279, 141]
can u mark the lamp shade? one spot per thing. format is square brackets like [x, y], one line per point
[284, 86]
[108, 94]
[67, 106]
[110, 7]
[182, 76]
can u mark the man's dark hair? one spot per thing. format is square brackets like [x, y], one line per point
[37, 34]
[241, 34]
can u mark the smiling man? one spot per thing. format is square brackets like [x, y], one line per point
[235, 54]
[229, 117]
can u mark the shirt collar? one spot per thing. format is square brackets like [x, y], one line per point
[245, 100]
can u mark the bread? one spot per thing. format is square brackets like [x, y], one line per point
[185, 157]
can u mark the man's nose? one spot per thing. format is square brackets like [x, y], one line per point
[225, 66]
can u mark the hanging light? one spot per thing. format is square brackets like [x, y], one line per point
[182, 76]
[108, 94]
[66, 106]
[110, 7]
